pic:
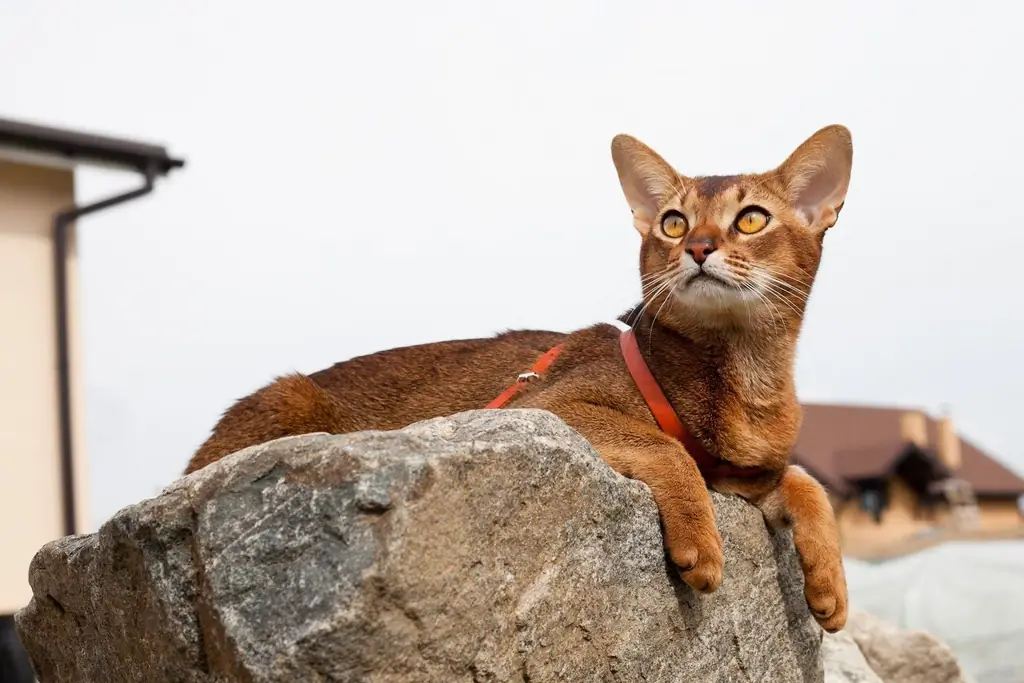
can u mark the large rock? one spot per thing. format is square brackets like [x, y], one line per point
[844, 662]
[902, 655]
[490, 546]
[869, 650]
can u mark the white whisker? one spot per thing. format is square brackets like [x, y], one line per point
[806, 284]
[780, 296]
[786, 287]
[773, 311]
[653, 285]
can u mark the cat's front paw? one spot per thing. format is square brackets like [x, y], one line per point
[825, 589]
[695, 546]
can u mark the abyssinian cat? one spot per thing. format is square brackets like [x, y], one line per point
[699, 392]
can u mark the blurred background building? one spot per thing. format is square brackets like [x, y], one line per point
[44, 475]
[901, 480]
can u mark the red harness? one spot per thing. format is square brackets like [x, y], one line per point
[663, 412]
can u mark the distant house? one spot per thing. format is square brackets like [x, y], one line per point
[43, 471]
[900, 479]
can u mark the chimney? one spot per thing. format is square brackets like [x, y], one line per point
[948, 446]
[914, 428]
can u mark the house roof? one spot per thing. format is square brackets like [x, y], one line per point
[828, 430]
[986, 474]
[868, 463]
[20, 138]
[840, 444]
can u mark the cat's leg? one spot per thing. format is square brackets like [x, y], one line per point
[801, 502]
[641, 451]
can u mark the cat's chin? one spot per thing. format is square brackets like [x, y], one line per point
[709, 287]
[711, 294]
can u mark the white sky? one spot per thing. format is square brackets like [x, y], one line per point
[366, 176]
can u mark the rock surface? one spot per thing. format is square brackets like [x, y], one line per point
[901, 655]
[844, 662]
[490, 546]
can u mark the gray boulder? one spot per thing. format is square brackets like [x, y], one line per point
[844, 662]
[902, 655]
[490, 546]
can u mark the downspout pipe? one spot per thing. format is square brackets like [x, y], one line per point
[61, 225]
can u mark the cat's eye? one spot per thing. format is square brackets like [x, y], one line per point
[673, 224]
[752, 220]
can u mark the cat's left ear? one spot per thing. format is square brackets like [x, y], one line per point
[817, 175]
[647, 180]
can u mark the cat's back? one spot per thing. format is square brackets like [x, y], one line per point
[385, 390]
[390, 389]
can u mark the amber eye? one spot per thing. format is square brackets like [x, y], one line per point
[753, 219]
[673, 224]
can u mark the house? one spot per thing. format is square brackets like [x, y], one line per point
[900, 479]
[43, 473]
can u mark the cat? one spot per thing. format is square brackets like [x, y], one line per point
[699, 392]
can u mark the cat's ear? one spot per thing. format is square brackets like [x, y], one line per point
[817, 175]
[647, 180]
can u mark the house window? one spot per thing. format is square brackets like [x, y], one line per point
[872, 502]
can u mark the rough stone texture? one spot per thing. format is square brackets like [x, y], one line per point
[491, 546]
[844, 662]
[903, 656]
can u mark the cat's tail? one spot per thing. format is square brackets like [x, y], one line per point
[289, 406]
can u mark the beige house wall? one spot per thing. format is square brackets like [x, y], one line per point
[861, 536]
[857, 528]
[999, 514]
[31, 511]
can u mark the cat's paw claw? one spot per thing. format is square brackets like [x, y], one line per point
[826, 594]
[699, 558]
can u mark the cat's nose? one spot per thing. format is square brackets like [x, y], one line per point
[700, 249]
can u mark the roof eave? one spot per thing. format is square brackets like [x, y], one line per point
[1007, 495]
[61, 147]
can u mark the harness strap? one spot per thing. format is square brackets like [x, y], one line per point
[663, 412]
[661, 409]
[667, 418]
[538, 369]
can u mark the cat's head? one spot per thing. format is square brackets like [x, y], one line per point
[736, 250]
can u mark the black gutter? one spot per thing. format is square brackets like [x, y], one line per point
[86, 147]
[77, 147]
[61, 223]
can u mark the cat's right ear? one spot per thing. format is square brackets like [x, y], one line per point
[647, 180]
[817, 175]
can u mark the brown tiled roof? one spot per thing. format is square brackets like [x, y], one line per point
[831, 429]
[841, 443]
[987, 475]
[864, 463]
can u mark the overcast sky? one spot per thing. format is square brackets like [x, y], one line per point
[365, 176]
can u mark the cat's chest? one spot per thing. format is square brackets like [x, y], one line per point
[742, 420]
